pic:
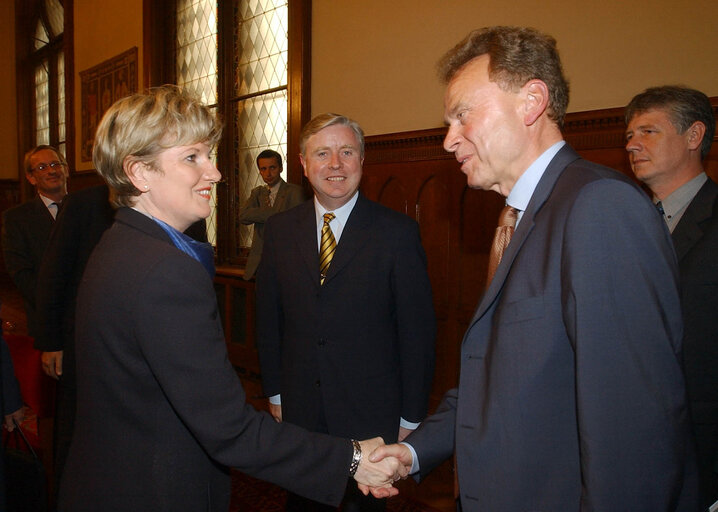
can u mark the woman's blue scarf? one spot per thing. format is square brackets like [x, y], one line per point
[200, 251]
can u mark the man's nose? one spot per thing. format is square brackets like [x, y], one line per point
[451, 140]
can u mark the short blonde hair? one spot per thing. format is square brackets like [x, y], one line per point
[139, 127]
[325, 120]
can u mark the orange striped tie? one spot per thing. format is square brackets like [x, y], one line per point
[502, 237]
[327, 247]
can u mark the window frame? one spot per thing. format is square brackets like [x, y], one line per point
[159, 68]
[27, 13]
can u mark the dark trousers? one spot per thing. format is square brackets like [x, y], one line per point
[64, 426]
[706, 436]
[354, 501]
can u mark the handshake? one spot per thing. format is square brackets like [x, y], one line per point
[380, 466]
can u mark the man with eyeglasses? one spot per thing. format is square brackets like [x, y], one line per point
[26, 228]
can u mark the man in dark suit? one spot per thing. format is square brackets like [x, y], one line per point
[348, 346]
[670, 131]
[570, 394]
[26, 228]
[275, 196]
[85, 216]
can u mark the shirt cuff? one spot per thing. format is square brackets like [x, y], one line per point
[414, 459]
[275, 400]
[408, 424]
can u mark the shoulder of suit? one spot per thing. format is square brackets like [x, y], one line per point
[704, 205]
[381, 213]
[141, 254]
[292, 187]
[22, 210]
[291, 215]
[582, 171]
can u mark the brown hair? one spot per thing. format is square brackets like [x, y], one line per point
[516, 55]
[684, 107]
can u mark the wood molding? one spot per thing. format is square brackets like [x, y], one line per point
[587, 130]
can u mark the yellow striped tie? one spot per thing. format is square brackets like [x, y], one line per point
[327, 247]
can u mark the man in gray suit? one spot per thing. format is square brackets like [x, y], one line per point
[571, 395]
[26, 228]
[264, 201]
[670, 131]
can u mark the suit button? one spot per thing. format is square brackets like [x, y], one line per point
[321, 342]
[318, 384]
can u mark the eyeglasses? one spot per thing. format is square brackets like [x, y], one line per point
[43, 167]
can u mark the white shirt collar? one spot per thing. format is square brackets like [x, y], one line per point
[524, 187]
[341, 216]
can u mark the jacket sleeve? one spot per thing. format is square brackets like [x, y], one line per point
[183, 343]
[269, 316]
[254, 211]
[622, 313]
[18, 257]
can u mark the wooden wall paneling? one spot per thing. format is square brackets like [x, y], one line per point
[415, 176]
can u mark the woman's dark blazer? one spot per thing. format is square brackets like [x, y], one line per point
[161, 413]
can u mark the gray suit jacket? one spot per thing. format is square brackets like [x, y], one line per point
[257, 212]
[571, 395]
[160, 410]
[25, 232]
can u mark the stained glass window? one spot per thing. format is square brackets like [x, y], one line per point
[61, 126]
[49, 76]
[260, 51]
[41, 37]
[42, 104]
[197, 48]
[196, 60]
[255, 107]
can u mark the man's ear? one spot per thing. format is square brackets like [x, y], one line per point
[694, 135]
[31, 178]
[136, 170]
[304, 163]
[536, 98]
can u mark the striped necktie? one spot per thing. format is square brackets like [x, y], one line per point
[326, 248]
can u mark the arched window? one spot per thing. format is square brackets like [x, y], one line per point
[47, 61]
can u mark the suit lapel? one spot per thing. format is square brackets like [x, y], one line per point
[281, 196]
[689, 230]
[42, 211]
[354, 237]
[305, 236]
[555, 168]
